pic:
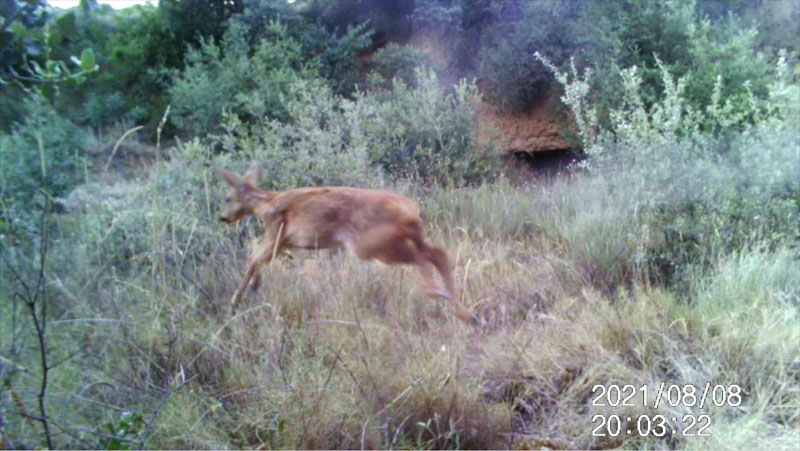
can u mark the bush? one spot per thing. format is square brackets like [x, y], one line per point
[423, 133]
[134, 46]
[709, 189]
[513, 79]
[44, 153]
[312, 148]
[232, 76]
[337, 55]
[334, 48]
[645, 34]
[401, 62]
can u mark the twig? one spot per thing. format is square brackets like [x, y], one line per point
[119, 141]
[364, 433]
[328, 379]
[164, 398]
[71, 355]
[40, 323]
[158, 132]
[397, 431]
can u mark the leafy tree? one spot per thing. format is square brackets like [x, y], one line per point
[512, 77]
[462, 25]
[191, 20]
[337, 55]
[390, 19]
[401, 62]
[136, 47]
[28, 64]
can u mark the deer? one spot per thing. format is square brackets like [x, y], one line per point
[374, 224]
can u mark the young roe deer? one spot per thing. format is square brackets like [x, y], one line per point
[375, 224]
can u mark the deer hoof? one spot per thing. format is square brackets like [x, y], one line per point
[475, 321]
[440, 293]
[235, 298]
[255, 285]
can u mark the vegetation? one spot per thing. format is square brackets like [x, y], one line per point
[669, 255]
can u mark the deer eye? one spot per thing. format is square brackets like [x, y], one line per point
[228, 200]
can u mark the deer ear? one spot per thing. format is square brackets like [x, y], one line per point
[230, 178]
[253, 175]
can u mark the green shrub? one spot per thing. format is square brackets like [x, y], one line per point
[334, 48]
[44, 153]
[422, 132]
[312, 148]
[134, 46]
[643, 34]
[401, 62]
[513, 80]
[708, 188]
[232, 76]
[337, 55]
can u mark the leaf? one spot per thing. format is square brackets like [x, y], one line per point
[87, 59]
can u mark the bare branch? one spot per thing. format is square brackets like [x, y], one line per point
[161, 402]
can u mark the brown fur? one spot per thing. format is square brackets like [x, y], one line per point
[375, 224]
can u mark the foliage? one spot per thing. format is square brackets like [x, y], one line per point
[642, 33]
[130, 426]
[463, 26]
[311, 148]
[390, 19]
[21, 34]
[27, 60]
[336, 55]
[400, 62]
[494, 40]
[711, 189]
[194, 20]
[775, 19]
[258, 14]
[334, 49]
[44, 153]
[232, 76]
[422, 132]
[513, 79]
[135, 47]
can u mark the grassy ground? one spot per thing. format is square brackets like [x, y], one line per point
[334, 352]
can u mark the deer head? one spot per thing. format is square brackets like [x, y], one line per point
[240, 200]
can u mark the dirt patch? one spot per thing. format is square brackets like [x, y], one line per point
[545, 128]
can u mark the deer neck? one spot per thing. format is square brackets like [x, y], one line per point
[260, 195]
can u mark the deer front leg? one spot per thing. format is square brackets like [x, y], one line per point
[251, 270]
[271, 246]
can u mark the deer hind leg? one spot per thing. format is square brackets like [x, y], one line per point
[436, 256]
[394, 246]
